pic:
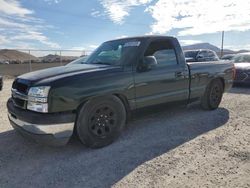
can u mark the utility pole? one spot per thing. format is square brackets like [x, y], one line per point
[30, 66]
[222, 44]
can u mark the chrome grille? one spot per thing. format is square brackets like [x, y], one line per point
[19, 94]
[240, 76]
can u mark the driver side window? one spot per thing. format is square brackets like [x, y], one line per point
[164, 53]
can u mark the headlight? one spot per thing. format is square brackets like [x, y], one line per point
[41, 91]
[38, 98]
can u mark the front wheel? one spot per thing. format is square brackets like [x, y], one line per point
[213, 95]
[100, 121]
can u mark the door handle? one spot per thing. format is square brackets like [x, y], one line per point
[179, 74]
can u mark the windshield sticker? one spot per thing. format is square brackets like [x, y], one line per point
[134, 43]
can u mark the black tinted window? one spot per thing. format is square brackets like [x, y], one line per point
[211, 54]
[164, 53]
[165, 57]
[191, 54]
[203, 54]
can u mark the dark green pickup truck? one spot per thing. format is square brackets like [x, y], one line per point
[95, 95]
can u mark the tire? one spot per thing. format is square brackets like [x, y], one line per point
[213, 95]
[100, 121]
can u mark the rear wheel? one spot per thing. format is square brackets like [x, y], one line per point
[100, 121]
[213, 95]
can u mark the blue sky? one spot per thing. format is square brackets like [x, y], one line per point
[82, 24]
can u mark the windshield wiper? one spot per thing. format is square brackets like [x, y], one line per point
[100, 63]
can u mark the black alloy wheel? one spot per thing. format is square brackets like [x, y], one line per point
[100, 121]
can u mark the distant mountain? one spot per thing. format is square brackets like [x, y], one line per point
[201, 46]
[243, 51]
[211, 47]
[50, 58]
[226, 51]
[14, 55]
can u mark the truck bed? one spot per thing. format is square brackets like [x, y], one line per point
[201, 73]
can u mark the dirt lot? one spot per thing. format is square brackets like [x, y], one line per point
[185, 147]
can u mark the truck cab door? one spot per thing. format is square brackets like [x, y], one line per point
[159, 77]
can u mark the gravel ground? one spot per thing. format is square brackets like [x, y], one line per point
[177, 147]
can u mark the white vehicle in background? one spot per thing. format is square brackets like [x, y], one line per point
[228, 57]
[5, 62]
[242, 65]
[200, 55]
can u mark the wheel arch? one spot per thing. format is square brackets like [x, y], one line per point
[222, 81]
[125, 102]
[219, 78]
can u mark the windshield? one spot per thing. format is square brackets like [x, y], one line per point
[241, 58]
[112, 53]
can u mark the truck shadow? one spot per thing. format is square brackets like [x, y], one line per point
[26, 164]
[240, 89]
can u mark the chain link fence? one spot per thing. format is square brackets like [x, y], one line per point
[14, 62]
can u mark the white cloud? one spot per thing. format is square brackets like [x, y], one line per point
[195, 17]
[85, 47]
[95, 13]
[19, 26]
[37, 36]
[12, 7]
[117, 10]
[122, 36]
[190, 42]
[3, 40]
[237, 47]
[53, 1]
[82, 50]
[92, 46]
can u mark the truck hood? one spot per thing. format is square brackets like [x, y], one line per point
[242, 65]
[62, 71]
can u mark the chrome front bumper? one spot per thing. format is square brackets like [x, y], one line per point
[57, 130]
[51, 129]
[52, 134]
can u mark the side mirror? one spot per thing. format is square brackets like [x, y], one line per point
[149, 62]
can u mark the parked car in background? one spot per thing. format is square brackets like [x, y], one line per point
[242, 66]
[97, 97]
[1, 82]
[228, 57]
[200, 55]
[5, 62]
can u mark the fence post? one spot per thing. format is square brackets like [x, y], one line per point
[30, 62]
